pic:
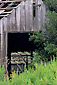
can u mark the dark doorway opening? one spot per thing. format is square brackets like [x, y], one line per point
[18, 42]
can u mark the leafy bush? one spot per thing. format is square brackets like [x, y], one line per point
[42, 75]
[51, 26]
[44, 46]
[46, 43]
[52, 4]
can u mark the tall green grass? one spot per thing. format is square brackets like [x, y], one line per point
[2, 73]
[42, 75]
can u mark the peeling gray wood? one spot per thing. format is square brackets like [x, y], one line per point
[38, 14]
[8, 23]
[11, 28]
[43, 12]
[18, 15]
[30, 15]
[22, 17]
[27, 15]
[0, 50]
[2, 42]
[0, 26]
[13, 20]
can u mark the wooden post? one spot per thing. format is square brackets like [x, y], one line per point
[6, 50]
[6, 40]
[2, 42]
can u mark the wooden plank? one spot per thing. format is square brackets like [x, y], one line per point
[1, 5]
[4, 49]
[38, 14]
[4, 37]
[2, 42]
[27, 15]
[3, 15]
[11, 1]
[11, 23]
[43, 12]
[31, 15]
[13, 20]
[18, 18]
[0, 26]
[1, 11]
[0, 50]
[10, 4]
[22, 17]
[5, 40]
[5, 23]
[8, 23]
[7, 12]
[6, 8]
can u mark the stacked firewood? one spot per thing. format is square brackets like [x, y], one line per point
[20, 57]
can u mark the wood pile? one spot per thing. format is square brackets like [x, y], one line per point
[18, 60]
[20, 57]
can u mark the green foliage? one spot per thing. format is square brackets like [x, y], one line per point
[38, 38]
[46, 43]
[44, 47]
[1, 73]
[52, 4]
[51, 26]
[42, 75]
[51, 48]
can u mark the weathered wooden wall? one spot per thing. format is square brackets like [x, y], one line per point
[21, 19]
[40, 15]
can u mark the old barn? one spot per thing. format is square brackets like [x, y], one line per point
[17, 19]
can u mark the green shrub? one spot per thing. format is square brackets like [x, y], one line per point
[52, 4]
[46, 43]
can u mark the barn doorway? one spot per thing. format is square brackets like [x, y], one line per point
[18, 42]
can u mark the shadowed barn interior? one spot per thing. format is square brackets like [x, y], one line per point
[19, 42]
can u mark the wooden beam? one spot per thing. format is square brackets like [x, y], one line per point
[10, 5]
[5, 8]
[4, 15]
[7, 12]
[1, 11]
[11, 1]
[1, 5]
[8, 8]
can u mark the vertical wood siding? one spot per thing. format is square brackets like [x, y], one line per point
[21, 20]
